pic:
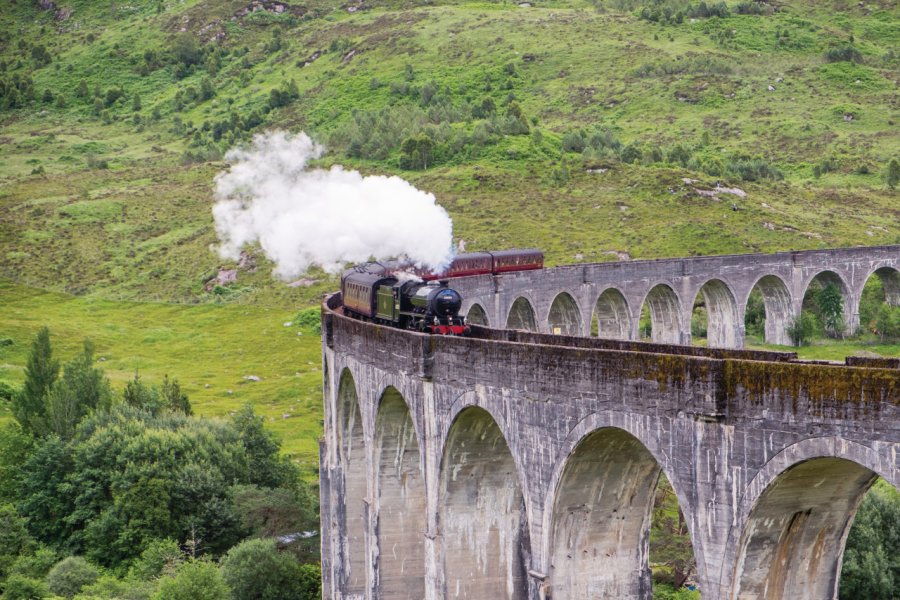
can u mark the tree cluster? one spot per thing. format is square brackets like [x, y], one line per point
[128, 496]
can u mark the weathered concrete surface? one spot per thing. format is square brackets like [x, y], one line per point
[567, 299]
[539, 453]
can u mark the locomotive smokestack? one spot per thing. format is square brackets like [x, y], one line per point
[302, 217]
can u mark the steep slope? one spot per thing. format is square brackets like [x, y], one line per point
[590, 130]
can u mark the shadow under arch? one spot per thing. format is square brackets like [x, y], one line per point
[483, 521]
[401, 507]
[665, 314]
[477, 315]
[778, 307]
[722, 323]
[564, 317]
[793, 541]
[352, 449]
[521, 315]
[611, 315]
[800, 506]
[598, 543]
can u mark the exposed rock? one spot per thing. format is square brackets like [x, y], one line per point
[224, 277]
[771, 88]
[302, 283]
[769, 226]
[621, 256]
[288, 323]
[252, 378]
[247, 262]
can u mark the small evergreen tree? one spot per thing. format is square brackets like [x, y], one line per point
[892, 176]
[41, 372]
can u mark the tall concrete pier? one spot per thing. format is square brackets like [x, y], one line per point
[519, 464]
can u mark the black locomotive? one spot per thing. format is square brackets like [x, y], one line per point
[373, 293]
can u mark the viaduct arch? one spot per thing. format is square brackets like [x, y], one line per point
[606, 299]
[521, 464]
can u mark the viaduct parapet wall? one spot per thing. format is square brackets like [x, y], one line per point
[569, 299]
[521, 465]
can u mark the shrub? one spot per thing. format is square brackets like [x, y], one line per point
[195, 580]
[802, 328]
[160, 557]
[256, 570]
[19, 587]
[70, 575]
[310, 318]
[845, 53]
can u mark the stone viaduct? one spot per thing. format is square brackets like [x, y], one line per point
[523, 465]
[566, 299]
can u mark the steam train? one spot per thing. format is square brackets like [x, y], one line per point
[397, 294]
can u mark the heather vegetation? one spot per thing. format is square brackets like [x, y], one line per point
[593, 129]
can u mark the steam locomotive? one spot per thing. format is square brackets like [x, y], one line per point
[372, 294]
[401, 295]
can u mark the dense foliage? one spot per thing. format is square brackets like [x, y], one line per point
[135, 489]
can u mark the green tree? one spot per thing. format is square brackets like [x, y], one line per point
[160, 557]
[802, 328]
[267, 512]
[195, 580]
[256, 570]
[831, 307]
[871, 569]
[15, 448]
[47, 499]
[670, 541]
[267, 468]
[887, 321]
[173, 398]
[41, 372]
[70, 575]
[138, 395]
[892, 175]
[14, 539]
[82, 389]
[19, 587]
[417, 152]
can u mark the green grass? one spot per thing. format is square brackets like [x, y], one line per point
[208, 348]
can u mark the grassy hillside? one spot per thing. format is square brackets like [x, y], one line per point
[210, 349]
[567, 125]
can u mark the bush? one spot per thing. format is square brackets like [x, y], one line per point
[70, 575]
[256, 570]
[160, 557]
[843, 54]
[310, 318]
[196, 580]
[19, 587]
[802, 328]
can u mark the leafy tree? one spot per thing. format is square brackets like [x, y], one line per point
[160, 557]
[871, 569]
[70, 575]
[267, 512]
[418, 152]
[670, 541]
[802, 328]
[195, 580]
[831, 307]
[82, 389]
[41, 372]
[19, 587]
[256, 570]
[267, 469]
[35, 565]
[15, 447]
[46, 496]
[887, 321]
[14, 539]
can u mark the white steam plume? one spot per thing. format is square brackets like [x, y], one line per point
[303, 217]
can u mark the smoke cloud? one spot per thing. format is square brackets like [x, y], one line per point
[302, 217]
